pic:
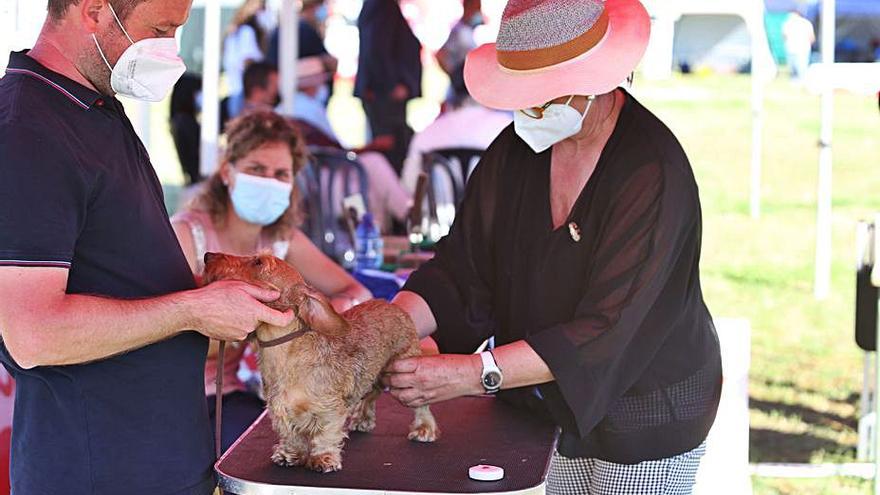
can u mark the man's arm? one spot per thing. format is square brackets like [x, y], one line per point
[42, 325]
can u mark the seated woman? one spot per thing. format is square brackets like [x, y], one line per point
[249, 206]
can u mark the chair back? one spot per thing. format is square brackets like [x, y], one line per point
[331, 176]
[466, 159]
[444, 194]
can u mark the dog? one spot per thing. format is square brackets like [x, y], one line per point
[321, 373]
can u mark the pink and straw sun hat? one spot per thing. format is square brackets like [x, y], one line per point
[552, 48]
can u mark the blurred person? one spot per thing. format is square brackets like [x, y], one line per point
[260, 90]
[243, 45]
[577, 247]
[260, 86]
[185, 127]
[387, 198]
[469, 125]
[247, 207]
[389, 74]
[312, 20]
[799, 37]
[461, 41]
[102, 325]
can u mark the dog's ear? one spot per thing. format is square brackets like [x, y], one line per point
[315, 311]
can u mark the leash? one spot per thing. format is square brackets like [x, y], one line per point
[218, 380]
[218, 399]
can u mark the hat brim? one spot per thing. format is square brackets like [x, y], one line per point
[312, 80]
[598, 71]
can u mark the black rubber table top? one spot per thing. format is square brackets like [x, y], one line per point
[474, 430]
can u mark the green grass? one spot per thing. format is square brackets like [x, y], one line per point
[806, 370]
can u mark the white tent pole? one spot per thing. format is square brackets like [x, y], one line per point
[822, 283]
[287, 54]
[757, 77]
[210, 89]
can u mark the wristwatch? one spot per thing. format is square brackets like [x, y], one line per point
[491, 377]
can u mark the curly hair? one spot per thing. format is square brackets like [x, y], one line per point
[245, 134]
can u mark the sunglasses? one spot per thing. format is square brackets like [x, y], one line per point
[537, 113]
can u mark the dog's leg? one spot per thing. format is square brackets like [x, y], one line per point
[293, 444]
[291, 451]
[364, 415]
[424, 427]
[325, 453]
[292, 447]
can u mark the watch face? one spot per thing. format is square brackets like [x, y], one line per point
[492, 379]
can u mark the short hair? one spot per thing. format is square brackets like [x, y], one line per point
[256, 75]
[57, 8]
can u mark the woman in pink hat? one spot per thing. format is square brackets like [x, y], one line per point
[577, 248]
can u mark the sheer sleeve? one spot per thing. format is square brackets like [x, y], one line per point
[458, 283]
[628, 301]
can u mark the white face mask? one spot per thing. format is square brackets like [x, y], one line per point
[259, 200]
[559, 121]
[147, 70]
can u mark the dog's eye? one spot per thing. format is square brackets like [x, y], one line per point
[257, 262]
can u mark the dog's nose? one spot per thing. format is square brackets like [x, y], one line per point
[211, 256]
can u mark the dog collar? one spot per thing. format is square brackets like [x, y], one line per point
[281, 340]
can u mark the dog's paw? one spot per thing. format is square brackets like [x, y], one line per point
[287, 457]
[423, 433]
[325, 463]
[364, 424]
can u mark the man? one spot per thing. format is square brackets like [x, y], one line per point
[799, 38]
[386, 196]
[459, 43]
[96, 298]
[312, 17]
[260, 87]
[389, 73]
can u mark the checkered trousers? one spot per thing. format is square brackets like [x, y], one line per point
[586, 476]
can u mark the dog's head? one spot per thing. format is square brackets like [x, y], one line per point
[269, 272]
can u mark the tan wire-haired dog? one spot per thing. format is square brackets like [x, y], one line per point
[320, 374]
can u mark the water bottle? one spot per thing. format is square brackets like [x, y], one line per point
[368, 249]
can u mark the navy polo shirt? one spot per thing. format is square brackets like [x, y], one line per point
[78, 191]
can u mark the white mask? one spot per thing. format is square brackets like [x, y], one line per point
[147, 70]
[559, 121]
[259, 200]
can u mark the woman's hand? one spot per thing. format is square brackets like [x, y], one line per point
[428, 379]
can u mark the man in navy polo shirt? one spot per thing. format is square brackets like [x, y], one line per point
[96, 298]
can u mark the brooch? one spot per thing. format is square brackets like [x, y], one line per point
[574, 231]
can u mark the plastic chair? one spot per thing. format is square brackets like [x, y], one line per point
[444, 195]
[331, 176]
[465, 158]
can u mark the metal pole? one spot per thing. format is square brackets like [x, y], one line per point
[287, 54]
[822, 283]
[211, 88]
[874, 396]
[757, 77]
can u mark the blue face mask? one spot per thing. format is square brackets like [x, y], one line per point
[260, 200]
[323, 94]
[321, 13]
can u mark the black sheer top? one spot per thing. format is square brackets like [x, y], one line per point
[617, 315]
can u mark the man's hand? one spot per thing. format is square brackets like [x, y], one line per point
[429, 379]
[230, 310]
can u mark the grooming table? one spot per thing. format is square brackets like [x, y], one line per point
[474, 430]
